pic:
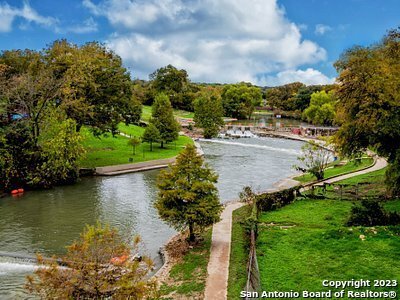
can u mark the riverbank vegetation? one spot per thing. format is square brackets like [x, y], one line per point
[239, 252]
[99, 265]
[298, 244]
[371, 74]
[188, 274]
[338, 167]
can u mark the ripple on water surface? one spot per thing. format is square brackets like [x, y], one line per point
[47, 221]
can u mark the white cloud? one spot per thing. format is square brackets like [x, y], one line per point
[9, 13]
[321, 29]
[309, 76]
[215, 41]
[89, 25]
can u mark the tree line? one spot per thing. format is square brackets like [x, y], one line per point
[45, 99]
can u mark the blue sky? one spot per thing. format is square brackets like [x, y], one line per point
[266, 42]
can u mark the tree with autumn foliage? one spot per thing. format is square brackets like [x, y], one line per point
[188, 197]
[100, 265]
[368, 106]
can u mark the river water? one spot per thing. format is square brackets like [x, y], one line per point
[47, 221]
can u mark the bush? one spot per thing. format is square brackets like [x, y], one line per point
[272, 201]
[371, 213]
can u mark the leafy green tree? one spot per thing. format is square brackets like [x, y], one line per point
[368, 101]
[208, 113]
[17, 159]
[322, 108]
[97, 89]
[60, 151]
[239, 100]
[162, 117]
[151, 135]
[174, 83]
[314, 160]
[33, 93]
[50, 160]
[100, 265]
[283, 97]
[303, 97]
[135, 141]
[187, 196]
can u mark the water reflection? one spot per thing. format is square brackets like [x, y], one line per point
[47, 221]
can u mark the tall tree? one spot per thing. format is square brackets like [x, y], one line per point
[208, 113]
[303, 96]
[174, 83]
[239, 100]
[283, 97]
[97, 89]
[162, 117]
[322, 108]
[188, 197]
[369, 105]
[100, 265]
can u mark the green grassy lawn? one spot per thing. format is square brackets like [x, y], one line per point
[108, 150]
[335, 169]
[131, 129]
[146, 113]
[239, 253]
[306, 242]
[187, 278]
[317, 245]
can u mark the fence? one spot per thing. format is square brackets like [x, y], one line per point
[263, 202]
[351, 192]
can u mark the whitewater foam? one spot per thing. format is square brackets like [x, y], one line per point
[289, 151]
[11, 267]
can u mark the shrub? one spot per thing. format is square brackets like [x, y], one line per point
[371, 213]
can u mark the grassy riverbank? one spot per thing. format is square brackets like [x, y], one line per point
[187, 277]
[108, 150]
[317, 245]
[239, 253]
[306, 242]
[336, 168]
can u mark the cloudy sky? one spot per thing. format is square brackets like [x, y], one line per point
[266, 42]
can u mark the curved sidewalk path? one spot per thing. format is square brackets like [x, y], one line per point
[218, 266]
[379, 164]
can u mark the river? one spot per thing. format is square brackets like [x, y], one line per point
[46, 221]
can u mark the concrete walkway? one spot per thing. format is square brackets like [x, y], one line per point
[135, 167]
[379, 164]
[218, 266]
